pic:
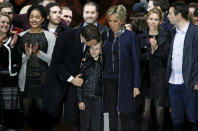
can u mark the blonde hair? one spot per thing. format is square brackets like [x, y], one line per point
[118, 11]
[155, 11]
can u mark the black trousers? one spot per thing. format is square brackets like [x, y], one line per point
[111, 102]
[90, 118]
[71, 111]
[55, 98]
[1, 110]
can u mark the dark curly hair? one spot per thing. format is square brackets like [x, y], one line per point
[40, 8]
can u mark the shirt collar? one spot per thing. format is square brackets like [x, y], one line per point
[96, 24]
[121, 31]
[184, 30]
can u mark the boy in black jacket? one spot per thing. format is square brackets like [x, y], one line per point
[90, 94]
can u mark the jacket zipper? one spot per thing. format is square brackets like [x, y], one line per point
[113, 66]
[94, 80]
[118, 75]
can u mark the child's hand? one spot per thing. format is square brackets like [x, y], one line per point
[81, 106]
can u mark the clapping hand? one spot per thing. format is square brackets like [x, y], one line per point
[1, 40]
[28, 49]
[14, 40]
[35, 49]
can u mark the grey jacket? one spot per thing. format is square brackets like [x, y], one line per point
[43, 56]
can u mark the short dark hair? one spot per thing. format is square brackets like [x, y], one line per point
[163, 4]
[92, 4]
[195, 12]
[180, 7]
[91, 32]
[193, 5]
[40, 8]
[49, 6]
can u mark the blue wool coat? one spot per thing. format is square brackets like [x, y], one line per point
[129, 69]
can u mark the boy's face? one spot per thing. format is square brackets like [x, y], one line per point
[95, 50]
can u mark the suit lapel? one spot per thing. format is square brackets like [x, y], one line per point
[188, 39]
[79, 40]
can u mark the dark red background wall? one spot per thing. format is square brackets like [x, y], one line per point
[76, 6]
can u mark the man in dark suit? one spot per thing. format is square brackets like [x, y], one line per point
[183, 68]
[63, 76]
[90, 16]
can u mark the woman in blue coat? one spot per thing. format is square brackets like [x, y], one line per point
[121, 70]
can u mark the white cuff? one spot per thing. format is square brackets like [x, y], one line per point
[70, 79]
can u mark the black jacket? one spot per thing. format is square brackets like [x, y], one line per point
[10, 63]
[66, 59]
[92, 75]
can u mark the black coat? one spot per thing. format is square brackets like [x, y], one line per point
[66, 60]
[153, 67]
[190, 57]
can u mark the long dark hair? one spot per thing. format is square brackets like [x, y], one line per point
[138, 23]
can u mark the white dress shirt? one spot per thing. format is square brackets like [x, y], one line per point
[177, 56]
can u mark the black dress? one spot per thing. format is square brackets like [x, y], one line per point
[153, 66]
[36, 68]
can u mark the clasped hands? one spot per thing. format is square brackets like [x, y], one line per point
[154, 45]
